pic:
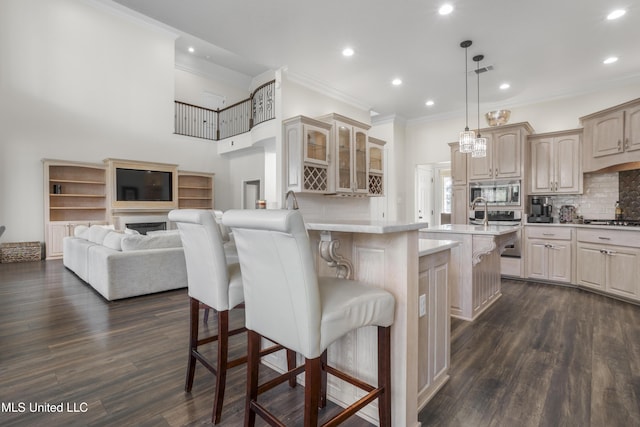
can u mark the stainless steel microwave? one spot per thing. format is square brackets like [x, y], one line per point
[497, 193]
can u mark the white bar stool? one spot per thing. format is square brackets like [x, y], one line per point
[287, 303]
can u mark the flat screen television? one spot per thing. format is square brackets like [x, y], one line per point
[136, 185]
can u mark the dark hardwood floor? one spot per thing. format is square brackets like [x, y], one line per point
[541, 356]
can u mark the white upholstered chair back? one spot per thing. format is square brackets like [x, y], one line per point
[282, 299]
[207, 270]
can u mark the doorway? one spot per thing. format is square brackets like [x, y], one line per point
[433, 193]
[250, 193]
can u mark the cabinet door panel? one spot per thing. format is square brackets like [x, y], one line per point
[622, 272]
[632, 129]
[536, 260]
[559, 258]
[541, 166]
[481, 167]
[607, 134]
[440, 321]
[591, 267]
[568, 169]
[458, 166]
[507, 154]
[344, 158]
[459, 205]
[360, 166]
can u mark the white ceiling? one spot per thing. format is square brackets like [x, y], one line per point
[543, 48]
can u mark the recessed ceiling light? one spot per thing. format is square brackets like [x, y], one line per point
[445, 9]
[610, 60]
[429, 103]
[616, 14]
[396, 82]
[505, 86]
[347, 51]
[191, 49]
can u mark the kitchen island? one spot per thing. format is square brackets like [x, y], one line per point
[389, 255]
[475, 264]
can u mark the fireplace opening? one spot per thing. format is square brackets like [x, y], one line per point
[145, 227]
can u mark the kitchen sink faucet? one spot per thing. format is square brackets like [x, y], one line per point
[286, 200]
[486, 215]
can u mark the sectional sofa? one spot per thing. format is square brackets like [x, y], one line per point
[120, 265]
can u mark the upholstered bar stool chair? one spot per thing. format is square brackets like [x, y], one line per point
[215, 283]
[287, 303]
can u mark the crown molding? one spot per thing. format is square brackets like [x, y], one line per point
[130, 15]
[324, 88]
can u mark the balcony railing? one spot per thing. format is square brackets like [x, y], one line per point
[241, 117]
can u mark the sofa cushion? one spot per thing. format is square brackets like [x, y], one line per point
[134, 242]
[81, 231]
[97, 233]
[113, 240]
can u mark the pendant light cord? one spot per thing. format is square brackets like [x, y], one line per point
[466, 89]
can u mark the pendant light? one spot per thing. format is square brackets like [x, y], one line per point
[479, 143]
[467, 136]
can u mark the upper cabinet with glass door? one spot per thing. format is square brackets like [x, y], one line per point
[350, 165]
[307, 153]
[376, 166]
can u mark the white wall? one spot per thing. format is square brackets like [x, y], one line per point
[81, 83]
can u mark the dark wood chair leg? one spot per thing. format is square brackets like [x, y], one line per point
[253, 363]
[384, 375]
[323, 380]
[221, 370]
[313, 367]
[291, 364]
[193, 342]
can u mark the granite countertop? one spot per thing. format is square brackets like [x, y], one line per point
[493, 230]
[432, 246]
[362, 226]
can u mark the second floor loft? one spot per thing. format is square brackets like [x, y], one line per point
[241, 117]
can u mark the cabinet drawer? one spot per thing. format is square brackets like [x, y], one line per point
[610, 237]
[550, 233]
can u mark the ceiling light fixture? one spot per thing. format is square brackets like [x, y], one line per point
[396, 82]
[479, 143]
[191, 49]
[347, 51]
[616, 14]
[467, 136]
[445, 9]
[610, 60]
[505, 86]
[429, 103]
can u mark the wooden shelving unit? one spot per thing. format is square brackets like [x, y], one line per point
[75, 194]
[195, 190]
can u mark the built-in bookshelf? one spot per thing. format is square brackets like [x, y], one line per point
[195, 190]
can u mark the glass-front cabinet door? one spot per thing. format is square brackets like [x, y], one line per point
[344, 158]
[316, 145]
[360, 163]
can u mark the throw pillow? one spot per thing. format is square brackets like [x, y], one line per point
[137, 242]
[113, 240]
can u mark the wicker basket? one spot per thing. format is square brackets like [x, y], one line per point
[20, 252]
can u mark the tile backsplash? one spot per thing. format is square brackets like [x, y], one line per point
[601, 191]
[630, 194]
[598, 201]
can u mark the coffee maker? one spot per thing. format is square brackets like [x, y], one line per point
[541, 209]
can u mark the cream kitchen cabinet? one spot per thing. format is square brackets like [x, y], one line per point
[459, 204]
[458, 165]
[349, 162]
[612, 136]
[556, 163]
[505, 154]
[307, 152]
[375, 159]
[549, 253]
[609, 261]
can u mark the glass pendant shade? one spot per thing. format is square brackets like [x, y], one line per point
[479, 147]
[467, 137]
